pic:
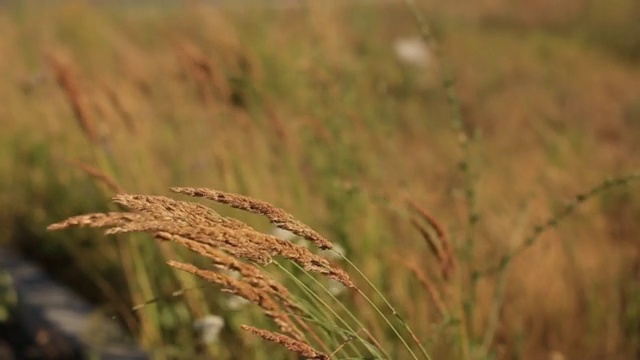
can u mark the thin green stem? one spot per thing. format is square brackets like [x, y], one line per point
[502, 268]
[494, 315]
[457, 121]
[393, 310]
[317, 298]
[556, 219]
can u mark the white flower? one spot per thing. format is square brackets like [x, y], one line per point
[235, 275]
[235, 302]
[335, 287]
[208, 328]
[287, 235]
[283, 234]
[413, 51]
[334, 254]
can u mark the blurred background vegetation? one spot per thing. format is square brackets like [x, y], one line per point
[314, 106]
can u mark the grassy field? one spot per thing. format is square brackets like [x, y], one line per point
[309, 108]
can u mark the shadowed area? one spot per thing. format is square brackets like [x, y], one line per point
[63, 325]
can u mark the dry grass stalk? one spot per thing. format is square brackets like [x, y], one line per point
[249, 273]
[243, 252]
[301, 348]
[98, 220]
[245, 290]
[201, 69]
[249, 244]
[98, 175]
[204, 225]
[67, 81]
[435, 248]
[428, 285]
[277, 216]
[116, 103]
[444, 250]
[181, 212]
[225, 242]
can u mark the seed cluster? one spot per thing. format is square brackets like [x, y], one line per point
[230, 245]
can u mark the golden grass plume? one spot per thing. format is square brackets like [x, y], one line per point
[301, 348]
[230, 245]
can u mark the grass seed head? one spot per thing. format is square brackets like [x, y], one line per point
[243, 289]
[230, 245]
[277, 216]
[299, 347]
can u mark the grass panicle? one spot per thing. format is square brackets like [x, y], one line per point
[342, 130]
[230, 245]
[277, 216]
[301, 348]
[244, 289]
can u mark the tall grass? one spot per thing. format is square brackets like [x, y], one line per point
[310, 110]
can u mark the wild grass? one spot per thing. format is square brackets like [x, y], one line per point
[231, 245]
[309, 109]
[234, 246]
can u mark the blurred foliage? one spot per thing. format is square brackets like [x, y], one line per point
[308, 107]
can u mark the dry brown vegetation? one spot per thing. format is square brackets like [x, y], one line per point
[309, 109]
[225, 241]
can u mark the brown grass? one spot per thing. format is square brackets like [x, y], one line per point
[277, 216]
[439, 246]
[230, 245]
[98, 175]
[203, 71]
[524, 101]
[247, 290]
[69, 84]
[301, 348]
